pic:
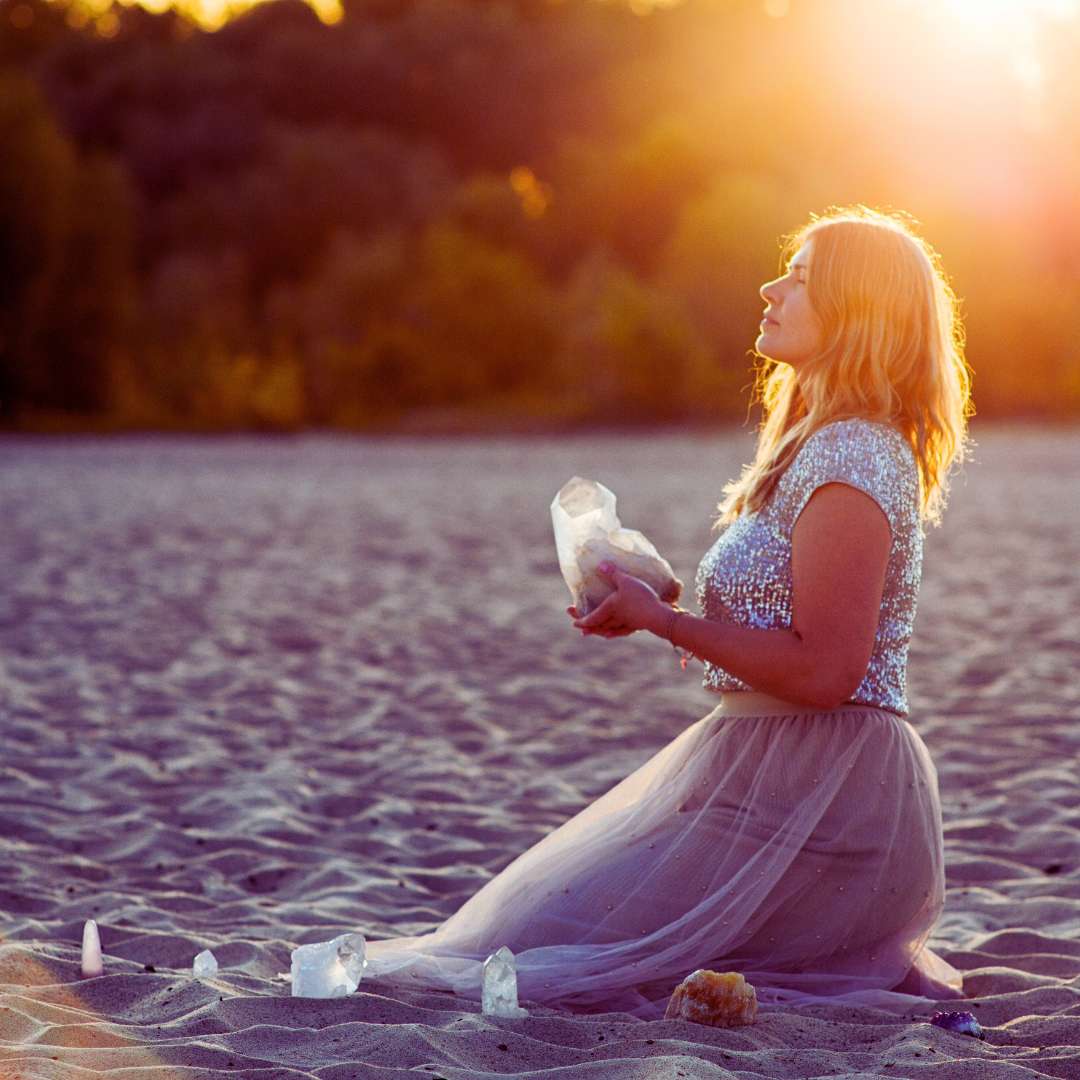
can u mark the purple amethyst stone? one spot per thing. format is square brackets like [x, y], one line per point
[962, 1023]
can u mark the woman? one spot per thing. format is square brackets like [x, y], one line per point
[794, 833]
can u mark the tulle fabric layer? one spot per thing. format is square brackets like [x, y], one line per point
[803, 849]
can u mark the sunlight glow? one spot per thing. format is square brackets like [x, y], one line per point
[209, 14]
[1004, 22]
[1009, 28]
[1005, 11]
[986, 21]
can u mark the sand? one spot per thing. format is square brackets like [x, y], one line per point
[258, 692]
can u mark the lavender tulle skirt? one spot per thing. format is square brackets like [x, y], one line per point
[801, 848]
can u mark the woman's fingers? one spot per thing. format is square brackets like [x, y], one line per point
[600, 629]
[600, 617]
[609, 631]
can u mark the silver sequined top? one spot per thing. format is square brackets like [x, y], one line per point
[745, 577]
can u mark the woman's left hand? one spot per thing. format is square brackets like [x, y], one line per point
[633, 605]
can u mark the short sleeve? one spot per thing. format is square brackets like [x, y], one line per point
[870, 457]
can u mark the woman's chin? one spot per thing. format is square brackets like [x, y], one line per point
[765, 350]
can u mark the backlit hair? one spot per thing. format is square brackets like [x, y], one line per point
[892, 351]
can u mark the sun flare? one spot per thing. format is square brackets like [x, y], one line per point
[1004, 20]
[1008, 27]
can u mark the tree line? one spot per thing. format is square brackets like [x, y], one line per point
[555, 212]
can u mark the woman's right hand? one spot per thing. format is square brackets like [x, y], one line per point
[572, 612]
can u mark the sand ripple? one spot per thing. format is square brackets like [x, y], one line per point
[257, 692]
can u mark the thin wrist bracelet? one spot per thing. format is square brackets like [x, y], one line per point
[669, 629]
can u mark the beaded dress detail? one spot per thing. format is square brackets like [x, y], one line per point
[745, 577]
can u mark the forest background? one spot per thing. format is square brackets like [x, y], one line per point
[440, 214]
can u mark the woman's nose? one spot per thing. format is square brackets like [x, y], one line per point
[767, 292]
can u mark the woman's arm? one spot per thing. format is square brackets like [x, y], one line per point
[839, 554]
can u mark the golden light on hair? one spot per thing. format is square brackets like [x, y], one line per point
[892, 351]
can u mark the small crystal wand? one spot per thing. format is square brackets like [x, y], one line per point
[683, 654]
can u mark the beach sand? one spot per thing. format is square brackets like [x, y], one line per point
[258, 692]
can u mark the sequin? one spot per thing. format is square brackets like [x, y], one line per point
[745, 577]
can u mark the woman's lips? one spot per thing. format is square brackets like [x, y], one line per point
[767, 321]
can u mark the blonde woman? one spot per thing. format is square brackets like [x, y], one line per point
[794, 833]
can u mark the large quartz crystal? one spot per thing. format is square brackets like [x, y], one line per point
[328, 969]
[499, 992]
[719, 999]
[587, 532]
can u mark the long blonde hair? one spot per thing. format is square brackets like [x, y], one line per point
[892, 351]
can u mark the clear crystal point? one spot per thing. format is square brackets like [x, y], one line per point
[205, 963]
[499, 992]
[352, 954]
[328, 969]
[91, 950]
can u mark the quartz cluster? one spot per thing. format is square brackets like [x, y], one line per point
[587, 533]
[329, 969]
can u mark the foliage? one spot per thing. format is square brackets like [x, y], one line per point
[564, 209]
[65, 258]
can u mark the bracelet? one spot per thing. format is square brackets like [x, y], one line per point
[669, 629]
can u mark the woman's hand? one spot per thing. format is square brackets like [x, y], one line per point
[624, 632]
[632, 606]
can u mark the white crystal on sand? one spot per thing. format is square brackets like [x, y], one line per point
[328, 969]
[205, 963]
[91, 950]
[499, 994]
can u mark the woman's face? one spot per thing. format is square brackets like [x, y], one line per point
[791, 331]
